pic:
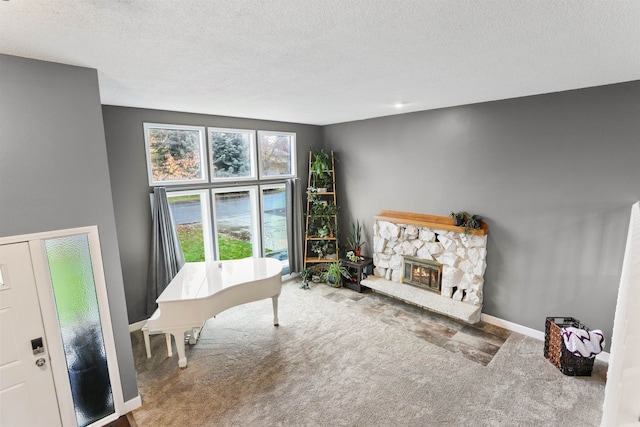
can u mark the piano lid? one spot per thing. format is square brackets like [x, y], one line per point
[202, 279]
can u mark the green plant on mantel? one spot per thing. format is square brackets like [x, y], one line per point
[466, 220]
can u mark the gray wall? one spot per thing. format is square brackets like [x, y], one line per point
[553, 175]
[129, 182]
[54, 173]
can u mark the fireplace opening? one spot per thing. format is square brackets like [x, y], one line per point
[422, 273]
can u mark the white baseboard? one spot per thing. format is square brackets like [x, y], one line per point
[132, 404]
[529, 332]
[604, 357]
[514, 327]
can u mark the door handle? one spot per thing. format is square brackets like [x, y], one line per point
[40, 362]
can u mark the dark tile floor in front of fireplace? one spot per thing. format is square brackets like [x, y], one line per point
[478, 343]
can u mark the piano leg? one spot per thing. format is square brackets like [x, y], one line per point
[178, 336]
[147, 344]
[167, 337]
[275, 310]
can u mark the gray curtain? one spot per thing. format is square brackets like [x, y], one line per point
[166, 257]
[295, 235]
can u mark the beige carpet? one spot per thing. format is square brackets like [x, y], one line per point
[328, 365]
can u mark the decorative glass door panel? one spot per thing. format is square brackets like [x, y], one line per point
[72, 277]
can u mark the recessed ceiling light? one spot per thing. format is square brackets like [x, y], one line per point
[398, 105]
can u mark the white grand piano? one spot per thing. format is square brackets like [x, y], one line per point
[201, 290]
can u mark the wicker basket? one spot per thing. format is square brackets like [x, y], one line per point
[556, 351]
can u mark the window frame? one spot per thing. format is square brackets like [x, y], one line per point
[292, 160]
[204, 175]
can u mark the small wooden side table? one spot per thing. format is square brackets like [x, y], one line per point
[358, 272]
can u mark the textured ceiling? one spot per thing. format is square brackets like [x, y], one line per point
[328, 61]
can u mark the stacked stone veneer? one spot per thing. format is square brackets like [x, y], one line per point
[463, 257]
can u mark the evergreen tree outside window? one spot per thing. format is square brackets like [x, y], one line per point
[232, 154]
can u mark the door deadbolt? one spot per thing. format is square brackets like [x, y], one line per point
[37, 346]
[40, 362]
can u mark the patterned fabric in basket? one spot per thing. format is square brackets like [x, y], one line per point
[556, 351]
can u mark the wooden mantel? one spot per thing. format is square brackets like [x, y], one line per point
[429, 221]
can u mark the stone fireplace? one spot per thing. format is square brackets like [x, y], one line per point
[448, 261]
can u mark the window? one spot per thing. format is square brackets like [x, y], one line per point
[232, 154]
[274, 224]
[277, 154]
[235, 230]
[216, 218]
[190, 210]
[175, 154]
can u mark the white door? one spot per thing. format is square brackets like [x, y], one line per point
[27, 392]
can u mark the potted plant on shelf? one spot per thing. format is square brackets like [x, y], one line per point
[319, 169]
[312, 194]
[330, 251]
[473, 223]
[334, 274]
[351, 256]
[466, 220]
[320, 162]
[324, 182]
[323, 218]
[354, 240]
[459, 218]
[331, 225]
[319, 247]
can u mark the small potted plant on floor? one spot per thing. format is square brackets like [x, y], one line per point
[334, 274]
[305, 275]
